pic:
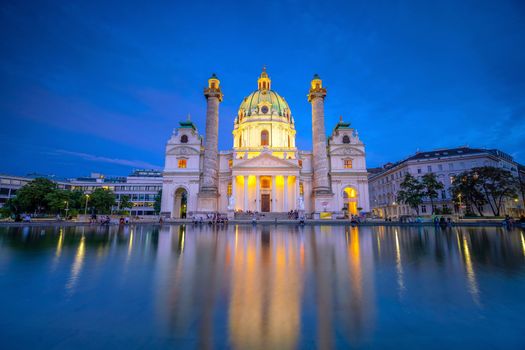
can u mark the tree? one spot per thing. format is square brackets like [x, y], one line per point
[496, 184]
[125, 202]
[58, 200]
[411, 192]
[10, 207]
[464, 191]
[156, 205]
[102, 200]
[32, 196]
[431, 186]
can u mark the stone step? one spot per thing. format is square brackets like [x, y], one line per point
[264, 216]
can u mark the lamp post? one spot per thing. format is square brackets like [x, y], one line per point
[85, 209]
[460, 205]
[67, 208]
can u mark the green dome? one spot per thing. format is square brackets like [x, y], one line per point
[255, 102]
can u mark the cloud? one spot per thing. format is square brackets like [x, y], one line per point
[118, 161]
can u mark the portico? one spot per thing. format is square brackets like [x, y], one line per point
[265, 193]
[265, 184]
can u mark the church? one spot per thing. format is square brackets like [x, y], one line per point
[264, 172]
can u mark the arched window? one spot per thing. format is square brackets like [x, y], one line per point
[346, 139]
[264, 138]
[184, 139]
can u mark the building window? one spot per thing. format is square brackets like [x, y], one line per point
[184, 139]
[348, 163]
[440, 167]
[443, 194]
[419, 171]
[182, 163]
[264, 138]
[264, 109]
[423, 208]
[230, 163]
[429, 168]
[346, 139]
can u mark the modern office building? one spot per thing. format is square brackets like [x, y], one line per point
[142, 187]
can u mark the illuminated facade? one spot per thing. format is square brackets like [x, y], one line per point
[264, 171]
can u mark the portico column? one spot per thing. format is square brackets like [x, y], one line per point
[246, 193]
[297, 194]
[274, 200]
[285, 196]
[257, 193]
[234, 191]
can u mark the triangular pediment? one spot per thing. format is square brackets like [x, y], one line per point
[346, 151]
[266, 161]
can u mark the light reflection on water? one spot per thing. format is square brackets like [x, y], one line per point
[262, 287]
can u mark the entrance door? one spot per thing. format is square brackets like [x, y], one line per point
[265, 202]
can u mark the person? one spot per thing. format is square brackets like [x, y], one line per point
[126, 220]
[121, 221]
[522, 219]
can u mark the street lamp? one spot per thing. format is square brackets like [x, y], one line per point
[67, 208]
[85, 209]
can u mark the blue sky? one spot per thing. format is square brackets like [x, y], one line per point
[99, 86]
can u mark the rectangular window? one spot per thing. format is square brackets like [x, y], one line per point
[423, 208]
[182, 163]
[429, 168]
[348, 163]
[419, 171]
[443, 194]
[440, 167]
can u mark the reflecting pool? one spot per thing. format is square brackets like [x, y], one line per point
[262, 287]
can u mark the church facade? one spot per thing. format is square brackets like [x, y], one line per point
[264, 172]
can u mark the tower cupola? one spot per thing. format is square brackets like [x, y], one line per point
[264, 82]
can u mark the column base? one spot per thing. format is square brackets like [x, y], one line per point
[207, 201]
[323, 202]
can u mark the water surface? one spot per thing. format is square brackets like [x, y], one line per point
[264, 287]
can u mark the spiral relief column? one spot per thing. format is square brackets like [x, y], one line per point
[208, 192]
[322, 192]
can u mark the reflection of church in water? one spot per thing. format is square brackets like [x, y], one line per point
[264, 171]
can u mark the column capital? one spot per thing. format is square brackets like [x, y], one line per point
[316, 89]
[209, 93]
[213, 89]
